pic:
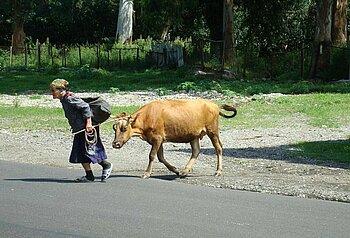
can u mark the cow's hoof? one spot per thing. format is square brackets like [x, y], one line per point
[177, 172]
[217, 174]
[184, 173]
[145, 176]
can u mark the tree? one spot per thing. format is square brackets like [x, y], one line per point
[228, 34]
[339, 26]
[18, 36]
[125, 21]
[330, 30]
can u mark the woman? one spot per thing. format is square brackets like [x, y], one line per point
[79, 115]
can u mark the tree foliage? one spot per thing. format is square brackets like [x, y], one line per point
[265, 28]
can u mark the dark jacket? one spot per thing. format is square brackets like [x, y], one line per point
[75, 110]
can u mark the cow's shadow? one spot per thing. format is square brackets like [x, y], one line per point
[283, 152]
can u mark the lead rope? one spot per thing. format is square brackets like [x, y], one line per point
[92, 135]
[82, 130]
[90, 142]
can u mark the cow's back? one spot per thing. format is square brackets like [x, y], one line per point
[179, 120]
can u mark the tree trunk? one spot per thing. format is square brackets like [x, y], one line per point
[125, 21]
[164, 34]
[18, 37]
[339, 26]
[321, 53]
[229, 57]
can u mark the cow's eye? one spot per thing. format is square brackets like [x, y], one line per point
[123, 129]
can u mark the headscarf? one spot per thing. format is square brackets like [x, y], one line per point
[59, 84]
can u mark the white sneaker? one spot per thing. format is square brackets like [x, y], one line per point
[106, 173]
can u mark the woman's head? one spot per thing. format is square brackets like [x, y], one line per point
[57, 87]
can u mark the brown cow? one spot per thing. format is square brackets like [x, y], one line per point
[179, 121]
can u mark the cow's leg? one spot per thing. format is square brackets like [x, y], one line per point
[151, 157]
[195, 152]
[161, 159]
[214, 137]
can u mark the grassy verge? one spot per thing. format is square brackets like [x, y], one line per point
[338, 151]
[319, 110]
[19, 82]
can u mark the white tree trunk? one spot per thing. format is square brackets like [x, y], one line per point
[125, 20]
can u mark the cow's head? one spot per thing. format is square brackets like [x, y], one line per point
[122, 128]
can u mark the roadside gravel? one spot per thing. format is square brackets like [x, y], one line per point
[253, 159]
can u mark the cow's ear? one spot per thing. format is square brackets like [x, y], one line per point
[131, 120]
[116, 116]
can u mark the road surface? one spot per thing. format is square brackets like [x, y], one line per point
[42, 201]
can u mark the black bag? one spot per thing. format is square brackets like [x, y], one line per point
[100, 108]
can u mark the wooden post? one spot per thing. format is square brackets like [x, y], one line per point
[38, 53]
[25, 55]
[79, 52]
[302, 56]
[138, 54]
[201, 47]
[11, 55]
[108, 58]
[64, 60]
[165, 56]
[98, 56]
[120, 58]
[51, 55]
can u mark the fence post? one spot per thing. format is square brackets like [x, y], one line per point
[25, 55]
[138, 54]
[108, 63]
[38, 53]
[11, 52]
[201, 48]
[165, 56]
[120, 58]
[64, 63]
[98, 56]
[79, 52]
[302, 61]
[51, 54]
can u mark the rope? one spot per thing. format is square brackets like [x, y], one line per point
[92, 135]
[93, 127]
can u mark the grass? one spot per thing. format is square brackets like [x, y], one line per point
[85, 79]
[18, 118]
[319, 105]
[338, 151]
[320, 110]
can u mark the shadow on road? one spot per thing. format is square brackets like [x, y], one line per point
[97, 179]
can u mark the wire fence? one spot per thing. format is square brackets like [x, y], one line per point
[97, 56]
[206, 53]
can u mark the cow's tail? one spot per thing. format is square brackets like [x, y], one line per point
[228, 108]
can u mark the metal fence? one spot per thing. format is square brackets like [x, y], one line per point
[207, 53]
[97, 56]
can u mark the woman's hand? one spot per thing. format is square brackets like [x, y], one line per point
[88, 124]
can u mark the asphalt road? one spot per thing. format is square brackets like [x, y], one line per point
[42, 201]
